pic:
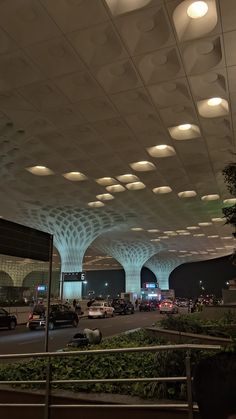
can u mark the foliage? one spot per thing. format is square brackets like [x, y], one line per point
[229, 173]
[123, 365]
[224, 327]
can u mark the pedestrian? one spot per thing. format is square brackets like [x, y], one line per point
[136, 304]
[74, 303]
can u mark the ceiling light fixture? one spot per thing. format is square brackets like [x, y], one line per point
[105, 197]
[40, 170]
[137, 229]
[161, 151]
[212, 197]
[215, 236]
[205, 224]
[184, 127]
[127, 178]
[106, 181]
[193, 228]
[199, 235]
[115, 188]
[197, 9]
[142, 166]
[218, 220]
[230, 201]
[162, 190]
[74, 176]
[96, 204]
[187, 194]
[214, 101]
[153, 230]
[135, 186]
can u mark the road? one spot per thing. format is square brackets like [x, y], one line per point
[22, 340]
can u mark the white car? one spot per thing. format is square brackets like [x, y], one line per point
[100, 309]
[168, 307]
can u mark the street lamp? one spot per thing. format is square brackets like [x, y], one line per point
[106, 284]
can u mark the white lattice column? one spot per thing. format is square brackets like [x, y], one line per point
[162, 265]
[131, 254]
[73, 231]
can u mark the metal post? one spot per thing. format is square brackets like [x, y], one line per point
[47, 390]
[48, 295]
[189, 385]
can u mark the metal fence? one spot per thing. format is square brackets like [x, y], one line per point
[49, 382]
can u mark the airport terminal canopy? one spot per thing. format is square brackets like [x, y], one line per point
[119, 113]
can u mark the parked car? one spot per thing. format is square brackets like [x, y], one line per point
[7, 320]
[100, 309]
[59, 315]
[182, 302]
[122, 306]
[168, 307]
[148, 305]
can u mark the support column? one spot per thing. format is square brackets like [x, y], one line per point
[132, 278]
[71, 261]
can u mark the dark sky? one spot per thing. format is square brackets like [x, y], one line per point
[213, 273]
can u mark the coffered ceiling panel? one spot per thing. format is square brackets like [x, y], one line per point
[102, 89]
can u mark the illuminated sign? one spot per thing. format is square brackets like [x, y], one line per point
[74, 276]
[150, 285]
[42, 288]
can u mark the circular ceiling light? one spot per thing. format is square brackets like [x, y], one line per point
[193, 228]
[105, 197]
[162, 190]
[154, 240]
[96, 204]
[199, 235]
[212, 197]
[137, 229]
[187, 194]
[184, 127]
[75, 176]
[142, 166]
[214, 101]
[106, 181]
[127, 178]
[180, 231]
[184, 234]
[134, 186]
[218, 220]
[115, 188]
[227, 238]
[230, 201]
[197, 9]
[205, 224]
[169, 232]
[40, 171]
[172, 251]
[215, 236]
[162, 150]
[153, 230]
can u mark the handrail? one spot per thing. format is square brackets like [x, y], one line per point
[157, 348]
[49, 382]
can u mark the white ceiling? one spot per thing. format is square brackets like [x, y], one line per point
[88, 86]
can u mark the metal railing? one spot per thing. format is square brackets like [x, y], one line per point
[49, 382]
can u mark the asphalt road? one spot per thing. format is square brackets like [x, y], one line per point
[22, 340]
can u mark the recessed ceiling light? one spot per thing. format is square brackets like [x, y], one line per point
[194, 252]
[183, 251]
[230, 201]
[219, 248]
[199, 235]
[227, 238]
[184, 234]
[187, 194]
[172, 251]
[127, 178]
[164, 237]
[215, 236]
[96, 204]
[184, 127]
[205, 224]
[137, 229]
[193, 228]
[40, 170]
[180, 231]
[197, 9]
[162, 190]
[212, 197]
[214, 101]
[75, 176]
[134, 186]
[154, 240]
[106, 181]
[218, 220]
[169, 232]
[143, 166]
[115, 188]
[105, 197]
[153, 230]
[162, 150]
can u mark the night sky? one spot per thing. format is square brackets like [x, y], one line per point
[213, 273]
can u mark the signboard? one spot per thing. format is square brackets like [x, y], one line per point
[42, 288]
[25, 242]
[74, 276]
[150, 285]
